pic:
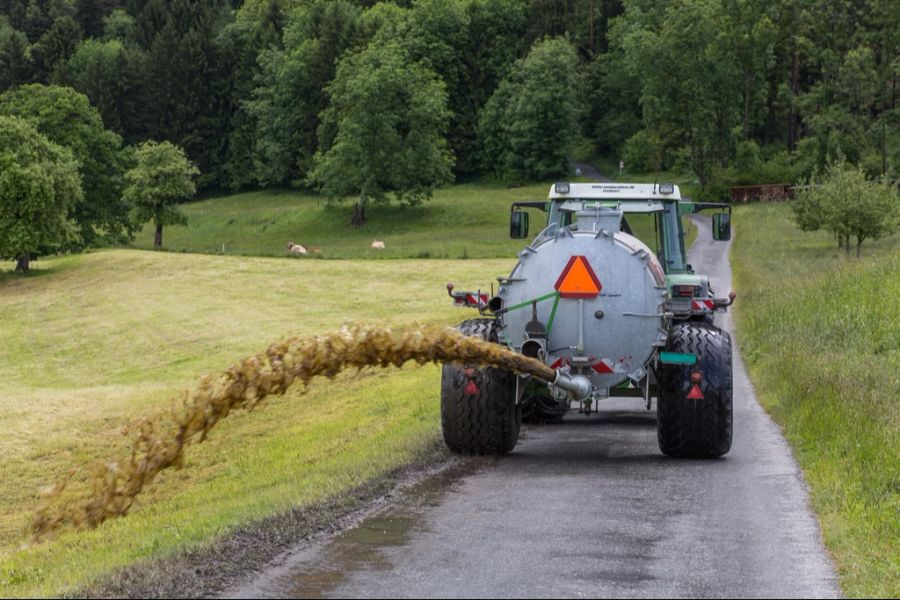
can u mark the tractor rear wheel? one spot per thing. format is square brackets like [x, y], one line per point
[542, 409]
[482, 418]
[698, 427]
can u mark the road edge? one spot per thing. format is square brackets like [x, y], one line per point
[216, 567]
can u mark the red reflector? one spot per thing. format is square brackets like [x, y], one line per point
[557, 363]
[696, 377]
[695, 393]
[601, 367]
[472, 389]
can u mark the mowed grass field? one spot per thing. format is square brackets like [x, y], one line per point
[94, 342]
[820, 332]
[462, 221]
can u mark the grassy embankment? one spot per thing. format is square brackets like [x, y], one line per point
[463, 221]
[820, 333]
[96, 341]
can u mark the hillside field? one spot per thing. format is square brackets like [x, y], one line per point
[97, 341]
[462, 221]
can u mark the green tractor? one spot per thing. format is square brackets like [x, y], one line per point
[609, 315]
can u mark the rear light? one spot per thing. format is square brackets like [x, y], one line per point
[685, 291]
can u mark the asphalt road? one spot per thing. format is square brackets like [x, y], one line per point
[589, 508]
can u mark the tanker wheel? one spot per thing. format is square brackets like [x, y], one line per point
[696, 427]
[483, 419]
[542, 409]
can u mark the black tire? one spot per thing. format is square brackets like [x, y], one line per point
[700, 428]
[487, 422]
[542, 409]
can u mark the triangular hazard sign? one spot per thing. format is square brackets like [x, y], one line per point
[578, 280]
[695, 393]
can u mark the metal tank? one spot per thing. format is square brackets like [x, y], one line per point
[587, 299]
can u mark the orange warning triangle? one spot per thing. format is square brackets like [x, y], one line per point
[578, 280]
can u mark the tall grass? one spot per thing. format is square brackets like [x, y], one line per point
[820, 332]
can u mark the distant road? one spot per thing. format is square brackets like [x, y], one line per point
[588, 170]
[589, 507]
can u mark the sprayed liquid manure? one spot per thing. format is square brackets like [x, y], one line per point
[109, 490]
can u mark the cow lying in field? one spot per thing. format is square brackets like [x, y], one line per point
[377, 245]
[300, 249]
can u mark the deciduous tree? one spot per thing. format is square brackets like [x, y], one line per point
[383, 133]
[67, 118]
[530, 124]
[39, 184]
[162, 176]
[849, 206]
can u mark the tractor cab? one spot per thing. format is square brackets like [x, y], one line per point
[650, 212]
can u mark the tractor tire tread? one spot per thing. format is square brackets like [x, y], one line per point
[700, 428]
[485, 423]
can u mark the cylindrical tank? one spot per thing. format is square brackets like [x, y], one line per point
[597, 291]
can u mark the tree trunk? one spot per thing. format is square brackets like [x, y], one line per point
[157, 239]
[847, 243]
[359, 213]
[22, 263]
[859, 242]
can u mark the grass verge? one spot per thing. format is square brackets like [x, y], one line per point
[820, 332]
[98, 340]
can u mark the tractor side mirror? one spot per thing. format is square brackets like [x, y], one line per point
[518, 225]
[721, 227]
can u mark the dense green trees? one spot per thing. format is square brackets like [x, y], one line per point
[292, 94]
[271, 92]
[533, 120]
[161, 177]
[15, 64]
[383, 133]
[39, 183]
[66, 118]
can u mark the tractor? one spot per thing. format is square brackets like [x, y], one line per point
[610, 316]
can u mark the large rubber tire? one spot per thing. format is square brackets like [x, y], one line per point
[542, 409]
[695, 428]
[487, 422]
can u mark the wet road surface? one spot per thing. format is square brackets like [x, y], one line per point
[588, 507]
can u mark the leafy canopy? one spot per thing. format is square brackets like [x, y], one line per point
[161, 177]
[848, 205]
[67, 118]
[530, 124]
[39, 183]
[384, 130]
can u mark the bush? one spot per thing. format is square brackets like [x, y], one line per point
[642, 153]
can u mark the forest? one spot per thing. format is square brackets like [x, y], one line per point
[387, 100]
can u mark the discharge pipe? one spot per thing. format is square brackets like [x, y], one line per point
[578, 386]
